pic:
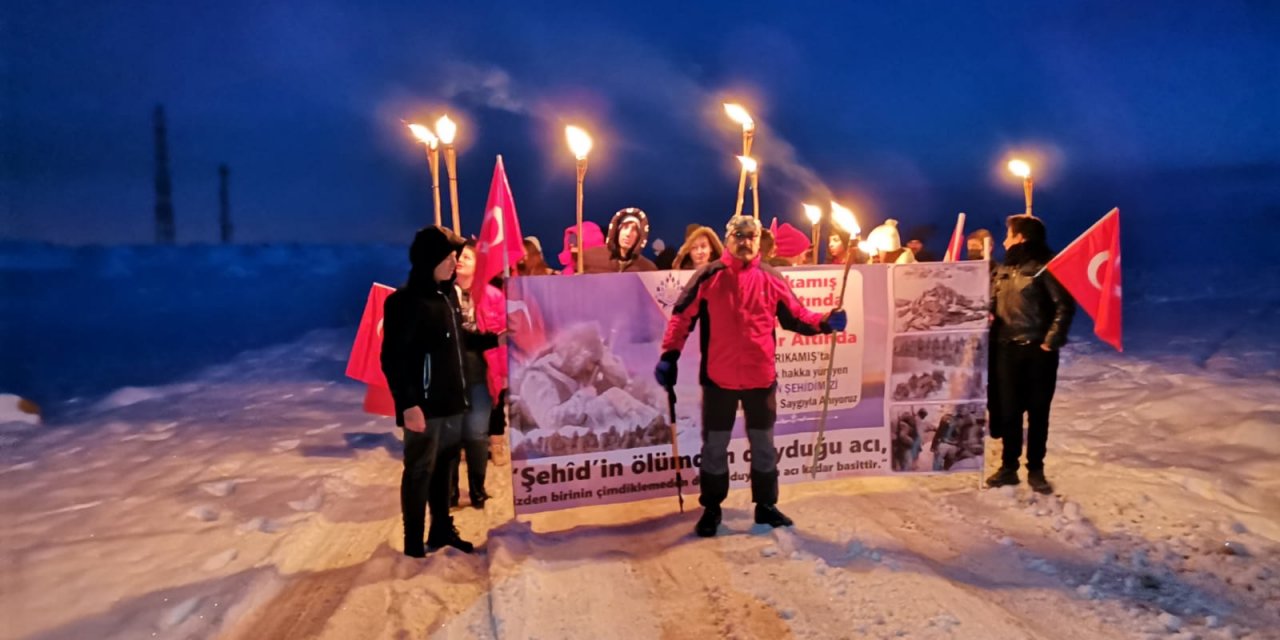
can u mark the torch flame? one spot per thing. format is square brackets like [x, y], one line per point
[446, 129]
[813, 213]
[579, 142]
[845, 219]
[424, 135]
[739, 115]
[1020, 168]
[749, 164]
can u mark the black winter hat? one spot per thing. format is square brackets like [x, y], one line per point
[431, 245]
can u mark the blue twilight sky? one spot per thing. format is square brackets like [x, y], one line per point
[902, 109]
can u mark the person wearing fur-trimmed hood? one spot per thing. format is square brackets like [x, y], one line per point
[627, 235]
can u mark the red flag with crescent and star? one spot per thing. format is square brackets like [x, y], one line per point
[365, 362]
[500, 245]
[1090, 269]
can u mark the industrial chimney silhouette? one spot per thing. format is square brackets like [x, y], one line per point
[165, 233]
[224, 202]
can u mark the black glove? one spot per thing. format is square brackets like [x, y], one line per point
[667, 370]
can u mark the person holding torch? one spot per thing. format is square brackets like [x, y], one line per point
[738, 302]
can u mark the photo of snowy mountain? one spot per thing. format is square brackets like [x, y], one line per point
[958, 302]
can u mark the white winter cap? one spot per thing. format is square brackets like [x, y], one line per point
[885, 237]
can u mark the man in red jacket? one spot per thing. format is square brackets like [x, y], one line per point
[738, 301]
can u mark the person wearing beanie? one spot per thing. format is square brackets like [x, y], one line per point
[916, 247]
[627, 235]
[533, 263]
[791, 244]
[975, 243]
[888, 244]
[701, 247]
[738, 301]
[424, 337]
[1032, 316]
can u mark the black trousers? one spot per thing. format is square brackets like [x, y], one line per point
[425, 479]
[719, 410]
[1023, 378]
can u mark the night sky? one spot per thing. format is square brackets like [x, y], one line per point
[905, 110]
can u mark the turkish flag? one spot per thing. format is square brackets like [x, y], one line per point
[378, 401]
[1090, 269]
[500, 245]
[365, 363]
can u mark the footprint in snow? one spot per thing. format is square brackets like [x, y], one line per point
[203, 513]
[220, 488]
[219, 561]
[285, 445]
[311, 503]
[327, 427]
[179, 613]
[260, 524]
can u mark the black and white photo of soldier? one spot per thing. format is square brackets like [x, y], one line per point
[937, 437]
[940, 295]
[947, 366]
[576, 396]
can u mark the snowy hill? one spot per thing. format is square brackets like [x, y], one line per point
[221, 481]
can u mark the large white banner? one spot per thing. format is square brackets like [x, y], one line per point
[589, 425]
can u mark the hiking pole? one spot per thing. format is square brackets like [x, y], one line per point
[851, 226]
[675, 445]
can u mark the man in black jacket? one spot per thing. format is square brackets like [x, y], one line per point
[422, 344]
[1033, 313]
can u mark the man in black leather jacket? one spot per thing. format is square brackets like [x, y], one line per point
[422, 351]
[1032, 314]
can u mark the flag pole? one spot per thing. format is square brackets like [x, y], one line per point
[675, 445]
[953, 247]
[843, 218]
[580, 144]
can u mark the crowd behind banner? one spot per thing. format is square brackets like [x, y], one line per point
[907, 380]
[621, 247]
[897, 366]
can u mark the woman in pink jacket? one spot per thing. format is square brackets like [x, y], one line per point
[485, 373]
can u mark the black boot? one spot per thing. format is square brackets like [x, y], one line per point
[1038, 483]
[444, 534]
[764, 487]
[476, 487]
[709, 522]
[414, 549]
[769, 514]
[1005, 476]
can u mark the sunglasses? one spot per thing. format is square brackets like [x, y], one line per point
[745, 235]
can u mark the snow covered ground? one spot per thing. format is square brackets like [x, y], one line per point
[251, 498]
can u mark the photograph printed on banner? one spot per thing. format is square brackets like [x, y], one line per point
[939, 366]
[576, 396]
[937, 437]
[941, 295]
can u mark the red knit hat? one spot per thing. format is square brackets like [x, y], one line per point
[791, 241]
